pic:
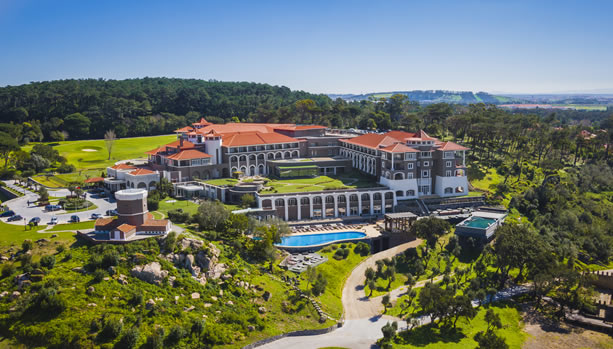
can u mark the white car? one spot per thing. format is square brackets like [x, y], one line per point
[53, 220]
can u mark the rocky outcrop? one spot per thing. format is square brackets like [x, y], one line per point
[151, 273]
[203, 264]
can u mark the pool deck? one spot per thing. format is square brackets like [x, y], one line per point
[369, 229]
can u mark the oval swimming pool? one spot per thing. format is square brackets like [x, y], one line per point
[319, 239]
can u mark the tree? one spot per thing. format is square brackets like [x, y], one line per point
[319, 286]
[211, 215]
[389, 331]
[310, 275]
[77, 125]
[43, 194]
[488, 339]
[247, 200]
[109, 141]
[385, 301]
[461, 306]
[371, 286]
[8, 144]
[390, 275]
[369, 274]
[516, 246]
[430, 229]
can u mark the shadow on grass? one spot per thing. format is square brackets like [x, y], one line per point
[429, 334]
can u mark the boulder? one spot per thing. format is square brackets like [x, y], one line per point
[194, 244]
[151, 273]
[122, 279]
[229, 303]
[92, 304]
[112, 270]
[4, 294]
[171, 280]
[91, 290]
[262, 310]
[24, 284]
[195, 295]
[214, 299]
[251, 328]
[208, 305]
[149, 304]
[189, 309]
[15, 294]
[216, 270]
[78, 270]
[42, 241]
[267, 296]
[54, 235]
[226, 277]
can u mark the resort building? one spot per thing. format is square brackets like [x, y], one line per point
[400, 165]
[133, 218]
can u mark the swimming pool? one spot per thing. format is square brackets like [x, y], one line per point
[319, 239]
[478, 222]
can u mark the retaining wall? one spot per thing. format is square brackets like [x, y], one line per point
[293, 334]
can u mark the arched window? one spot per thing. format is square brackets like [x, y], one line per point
[292, 202]
[317, 200]
[389, 195]
[271, 156]
[304, 201]
[448, 190]
[243, 158]
[279, 202]
[377, 196]
[342, 199]
[399, 193]
[410, 192]
[365, 197]
[252, 157]
[329, 199]
[353, 197]
[399, 175]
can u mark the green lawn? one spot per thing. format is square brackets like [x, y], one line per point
[352, 180]
[123, 149]
[222, 181]
[11, 234]
[430, 337]
[185, 205]
[73, 226]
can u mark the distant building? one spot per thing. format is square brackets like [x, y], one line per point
[133, 218]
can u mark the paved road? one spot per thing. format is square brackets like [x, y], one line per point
[363, 321]
[21, 207]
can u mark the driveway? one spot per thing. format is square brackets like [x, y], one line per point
[21, 207]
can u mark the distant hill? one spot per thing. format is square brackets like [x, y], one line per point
[432, 96]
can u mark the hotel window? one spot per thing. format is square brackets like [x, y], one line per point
[410, 175]
[426, 163]
[410, 166]
[448, 173]
[448, 155]
[447, 163]
[425, 154]
[425, 173]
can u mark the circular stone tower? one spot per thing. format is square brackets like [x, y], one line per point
[132, 206]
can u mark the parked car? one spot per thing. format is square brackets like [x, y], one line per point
[96, 215]
[53, 220]
[15, 218]
[111, 213]
[75, 219]
[35, 220]
[53, 207]
[8, 213]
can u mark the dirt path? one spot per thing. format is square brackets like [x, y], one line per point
[355, 302]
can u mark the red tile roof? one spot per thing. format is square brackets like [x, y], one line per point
[301, 127]
[141, 171]
[239, 139]
[123, 166]
[373, 140]
[242, 127]
[188, 155]
[126, 228]
[448, 146]
[175, 144]
[399, 148]
[94, 180]
[201, 122]
[184, 129]
[104, 221]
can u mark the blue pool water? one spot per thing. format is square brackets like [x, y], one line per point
[319, 239]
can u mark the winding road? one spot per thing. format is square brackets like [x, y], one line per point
[363, 321]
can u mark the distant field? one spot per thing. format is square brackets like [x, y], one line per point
[92, 154]
[587, 107]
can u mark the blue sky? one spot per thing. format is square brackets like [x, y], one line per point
[317, 46]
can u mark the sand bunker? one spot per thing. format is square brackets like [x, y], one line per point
[88, 150]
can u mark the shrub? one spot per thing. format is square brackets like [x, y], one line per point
[319, 286]
[60, 248]
[362, 248]
[8, 269]
[26, 245]
[47, 261]
[128, 339]
[155, 340]
[178, 216]
[343, 245]
[111, 330]
[99, 275]
[66, 168]
[175, 335]
[136, 299]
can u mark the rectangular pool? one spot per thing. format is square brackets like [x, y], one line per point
[319, 239]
